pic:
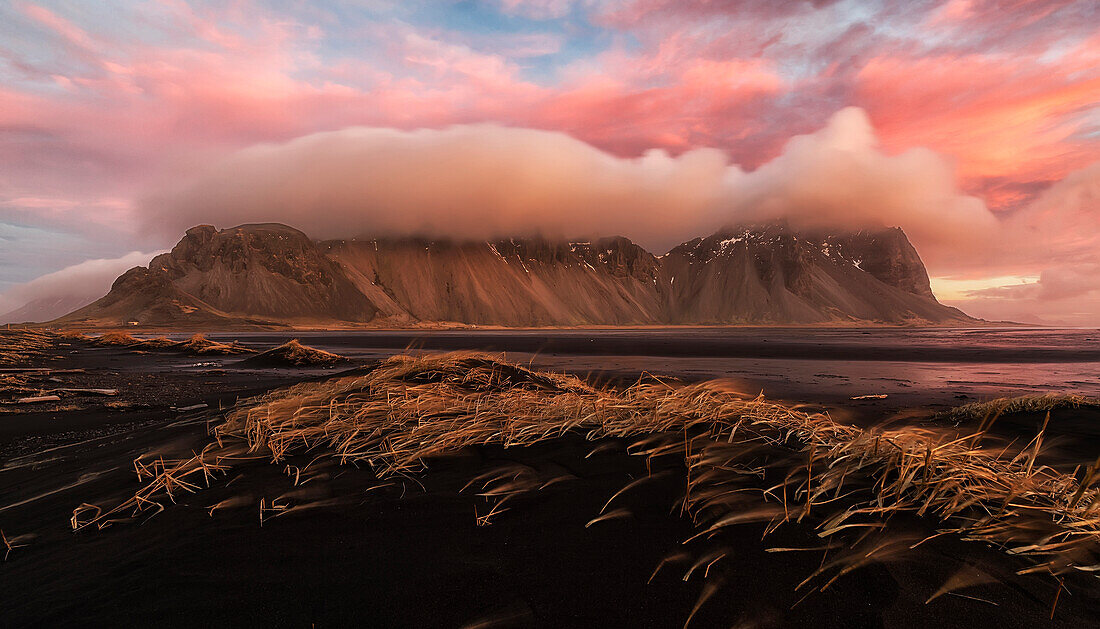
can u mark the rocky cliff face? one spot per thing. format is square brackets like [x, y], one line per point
[886, 254]
[266, 270]
[750, 274]
[772, 274]
[511, 282]
[149, 296]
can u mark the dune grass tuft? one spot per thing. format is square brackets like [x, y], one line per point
[158, 343]
[197, 345]
[115, 339]
[981, 411]
[294, 354]
[747, 459]
[19, 347]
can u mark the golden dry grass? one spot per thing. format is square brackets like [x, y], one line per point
[747, 459]
[202, 346]
[982, 411]
[293, 353]
[115, 339]
[197, 345]
[19, 347]
[10, 543]
[158, 343]
[17, 385]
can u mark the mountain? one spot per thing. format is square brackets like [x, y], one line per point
[770, 274]
[511, 282]
[265, 270]
[271, 274]
[45, 308]
[149, 296]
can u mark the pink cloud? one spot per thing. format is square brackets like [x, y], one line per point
[1004, 121]
[71, 33]
[74, 286]
[1005, 91]
[635, 12]
[367, 182]
[250, 84]
[244, 89]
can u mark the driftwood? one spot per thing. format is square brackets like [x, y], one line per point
[39, 398]
[42, 370]
[193, 407]
[86, 391]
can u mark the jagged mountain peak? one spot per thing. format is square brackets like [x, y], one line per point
[757, 273]
[885, 253]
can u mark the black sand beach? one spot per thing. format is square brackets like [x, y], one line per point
[408, 552]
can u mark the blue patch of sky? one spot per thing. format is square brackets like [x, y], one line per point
[344, 26]
[1087, 124]
[30, 51]
[28, 251]
[814, 30]
[579, 38]
[480, 25]
[117, 20]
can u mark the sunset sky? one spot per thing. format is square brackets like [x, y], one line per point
[972, 124]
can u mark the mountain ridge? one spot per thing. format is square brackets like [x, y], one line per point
[272, 274]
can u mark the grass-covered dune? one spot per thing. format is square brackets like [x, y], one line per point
[747, 459]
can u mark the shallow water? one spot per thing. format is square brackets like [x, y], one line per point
[913, 367]
[385, 549]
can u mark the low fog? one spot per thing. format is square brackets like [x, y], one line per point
[484, 181]
[72, 287]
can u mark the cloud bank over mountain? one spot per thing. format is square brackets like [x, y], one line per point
[487, 181]
[481, 181]
[60, 292]
[102, 102]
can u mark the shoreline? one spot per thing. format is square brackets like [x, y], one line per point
[410, 553]
[448, 326]
[813, 344]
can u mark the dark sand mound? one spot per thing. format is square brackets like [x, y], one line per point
[19, 347]
[124, 339]
[158, 343]
[493, 519]
[294, 354]
[1070, 424]
[871, 495]
[992, 409]
[15, 385]
[113, 339]
[199, 345]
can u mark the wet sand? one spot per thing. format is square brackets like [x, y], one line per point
[410, 554]
[924, 369]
